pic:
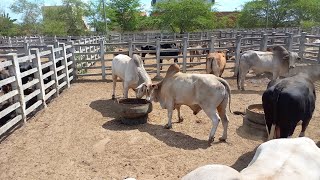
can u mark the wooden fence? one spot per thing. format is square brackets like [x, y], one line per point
[44, 85]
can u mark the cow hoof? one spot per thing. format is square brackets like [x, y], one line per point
[168, 126]
[113, 97]
[223, 139]
[180, 119]
[210, 140]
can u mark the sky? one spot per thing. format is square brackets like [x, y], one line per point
[221, 5]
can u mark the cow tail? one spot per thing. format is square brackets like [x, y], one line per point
[226, 85]
[276, 94]
[238, 73]
[209, 66]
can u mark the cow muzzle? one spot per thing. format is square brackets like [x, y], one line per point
[292, 66]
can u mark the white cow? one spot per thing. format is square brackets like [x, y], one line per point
[133, 75]
[278, 159]
[277, 62]
[198, 91]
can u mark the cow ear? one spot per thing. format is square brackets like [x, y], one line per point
[286, 57]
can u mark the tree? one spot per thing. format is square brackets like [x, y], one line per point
[7, 26]
[54, 21]
[281, 13]
[30, 14]
[124, 14]
[184, 15]
[74, 12]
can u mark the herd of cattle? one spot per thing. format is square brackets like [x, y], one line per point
[286, 101]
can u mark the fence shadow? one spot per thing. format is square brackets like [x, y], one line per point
[5, 135]
[168, 136]
[243, 161]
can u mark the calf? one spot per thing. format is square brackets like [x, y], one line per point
[278, 62]
[133, 75]
[216, 62]
[198, 91]
[286, 102]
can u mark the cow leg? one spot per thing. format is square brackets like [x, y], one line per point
[305, 124]
[272, 131]
[125, 90]
[169, 125]
[224, 118]
[243, 72]
[212, 114]
[179, 115]
[114, 80]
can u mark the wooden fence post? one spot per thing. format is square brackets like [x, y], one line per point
[273, 34]
[264, 42]
[130, 48]
[26, 48]
[158, 57]
[15, 70]
[185, 51]
[64, 62]
[237, 55]
[52, 58]
[211, 44]
[318, 58]
[289, 41]
[103, 64]
[38, 75]
[9, 41]
[302, 46]
[73, 59]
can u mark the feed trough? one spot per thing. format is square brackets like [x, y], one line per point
[254, 122]
[133, 111]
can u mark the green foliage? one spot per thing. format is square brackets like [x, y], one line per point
[124, 14]
[184, 15]
[7, 26]
[30, 15]
[282, 13]
[74, 12]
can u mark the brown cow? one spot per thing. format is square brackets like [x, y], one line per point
[216, 62]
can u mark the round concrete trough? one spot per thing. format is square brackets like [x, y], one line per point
[253, 122]
[133, 111]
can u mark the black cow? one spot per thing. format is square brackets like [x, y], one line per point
[163, 54]
[286, 102]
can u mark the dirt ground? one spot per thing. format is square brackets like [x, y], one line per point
[79, 136]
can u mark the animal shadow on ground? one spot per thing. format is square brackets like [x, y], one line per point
[244, 160]
[168, 136]
[250, 133]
